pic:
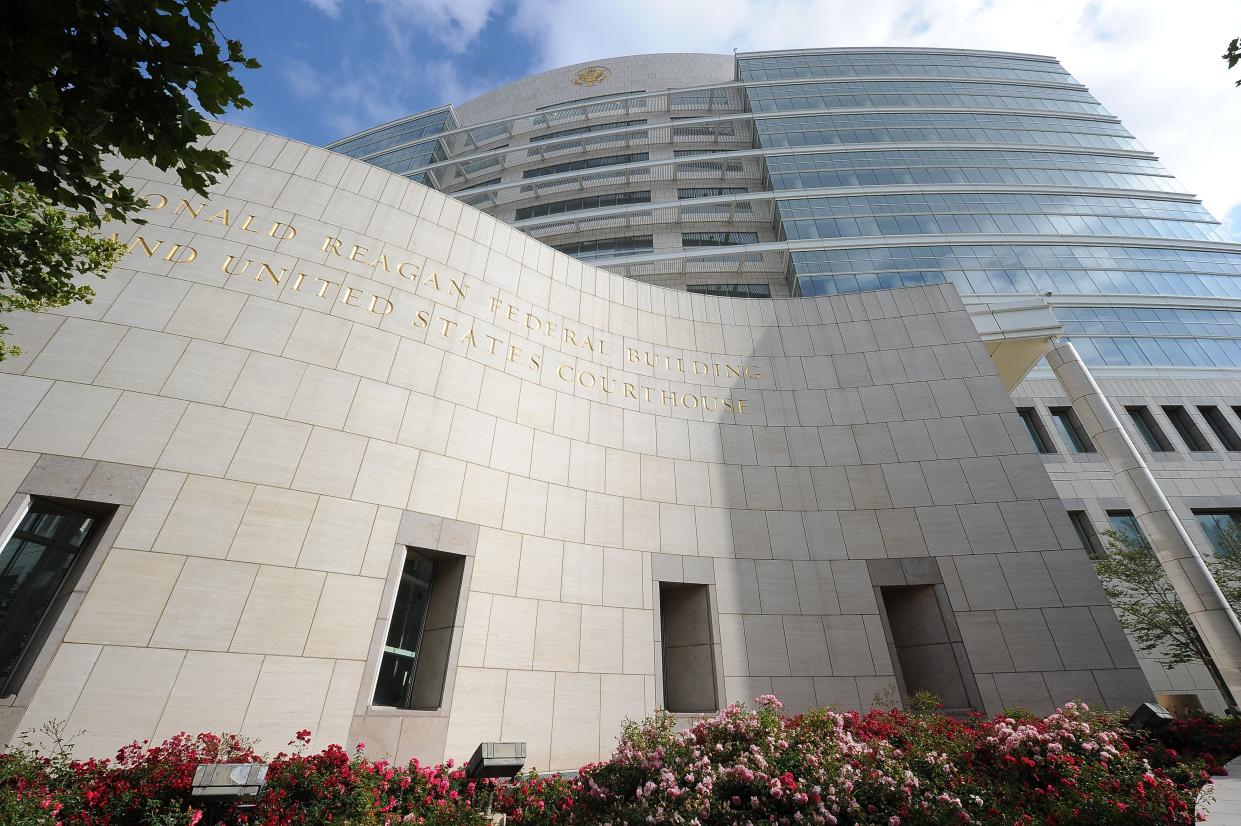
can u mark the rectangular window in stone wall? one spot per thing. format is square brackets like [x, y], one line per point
[1081, 524]
[1185, 427]
[1125, 524]
[924, 647]
[1222, 529]
[1221, 427]
[1071, 430]
[688, 648]
[36, 562]
[1149, 429]
[1034, 426]
[415, 655]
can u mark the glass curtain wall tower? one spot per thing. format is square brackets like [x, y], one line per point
[829, 171]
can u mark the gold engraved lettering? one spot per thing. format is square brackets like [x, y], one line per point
[741, 406]
[448, 325]
[454, 287]
[221, 216]
[228, 262]
[382, 261]
[176, 248]
[246, 225]
[495, 303]
[184, 206]
[349, 295]
[353, 254]
[513, 352]
[387, 305]
[297, 282]
[412, 276]
[629, 391]
[469, 339]
[422, 319]
[163, 202]
[326, 284]
[560, 372]
[271, 273]
[495, 342]
[330, 243]
[275, 230]
[139, 241]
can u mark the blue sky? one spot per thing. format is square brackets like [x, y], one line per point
[333, 67]
[325, 76]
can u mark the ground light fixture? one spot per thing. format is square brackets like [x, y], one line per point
[1150, 717]
[496, 761]
[221, 784]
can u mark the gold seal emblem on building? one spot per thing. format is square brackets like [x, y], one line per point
[591, 75]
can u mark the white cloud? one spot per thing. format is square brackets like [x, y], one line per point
[454, 24]
[446, 79]
[352, 98]
[329, 7]
[1153, 63]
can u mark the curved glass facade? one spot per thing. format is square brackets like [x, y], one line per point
[845, 170]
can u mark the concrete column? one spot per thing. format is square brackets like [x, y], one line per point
[1197, 590]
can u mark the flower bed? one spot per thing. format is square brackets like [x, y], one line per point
[739, 766]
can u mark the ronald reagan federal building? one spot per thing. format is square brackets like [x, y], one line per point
[660, 381]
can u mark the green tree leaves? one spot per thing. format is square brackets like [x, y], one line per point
[1147, 605]
[83, 80]
[42, 248]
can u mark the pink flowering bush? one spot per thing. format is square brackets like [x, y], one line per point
[740, 766]
[151, 785]
[745, 766]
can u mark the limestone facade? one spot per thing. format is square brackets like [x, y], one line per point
[288, 384]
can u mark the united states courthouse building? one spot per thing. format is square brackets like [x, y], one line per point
[481, 434]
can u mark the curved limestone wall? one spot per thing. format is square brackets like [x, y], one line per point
[288, 384]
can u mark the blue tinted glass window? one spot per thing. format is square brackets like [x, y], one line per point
[1126, 525]
[1221, 529]
[941, 127]
[916, 93]
[402, 132]
[877, 64]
